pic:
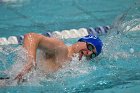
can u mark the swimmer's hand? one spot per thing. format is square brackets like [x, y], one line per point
[26, 69]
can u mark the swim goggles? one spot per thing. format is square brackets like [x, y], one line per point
[90, 47]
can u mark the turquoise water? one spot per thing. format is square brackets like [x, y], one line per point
[116, 70]
[47, 15]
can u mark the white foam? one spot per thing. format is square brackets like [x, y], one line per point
[136, 28]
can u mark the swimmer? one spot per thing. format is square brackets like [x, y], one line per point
[56, 52]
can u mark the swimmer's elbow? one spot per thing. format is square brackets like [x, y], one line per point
[33, 37]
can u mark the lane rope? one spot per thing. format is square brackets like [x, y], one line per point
[64, 34]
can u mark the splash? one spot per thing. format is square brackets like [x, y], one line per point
[125, 34]
[18, 58]
[12, 60]
[129, 20]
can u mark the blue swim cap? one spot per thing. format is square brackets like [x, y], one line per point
[94, 40]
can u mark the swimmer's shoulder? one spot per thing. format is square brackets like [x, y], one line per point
[54, 46]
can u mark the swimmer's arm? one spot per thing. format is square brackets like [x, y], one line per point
[31, 42]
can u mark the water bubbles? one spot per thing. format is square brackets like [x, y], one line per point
[83, 85]
[102, 82]
[131, 50]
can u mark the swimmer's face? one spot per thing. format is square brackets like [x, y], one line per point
[89, 52]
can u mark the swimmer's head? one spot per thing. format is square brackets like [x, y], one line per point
[92, 42]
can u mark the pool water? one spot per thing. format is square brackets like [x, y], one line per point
[116, 70]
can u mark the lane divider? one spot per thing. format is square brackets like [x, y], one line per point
[64, 34]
